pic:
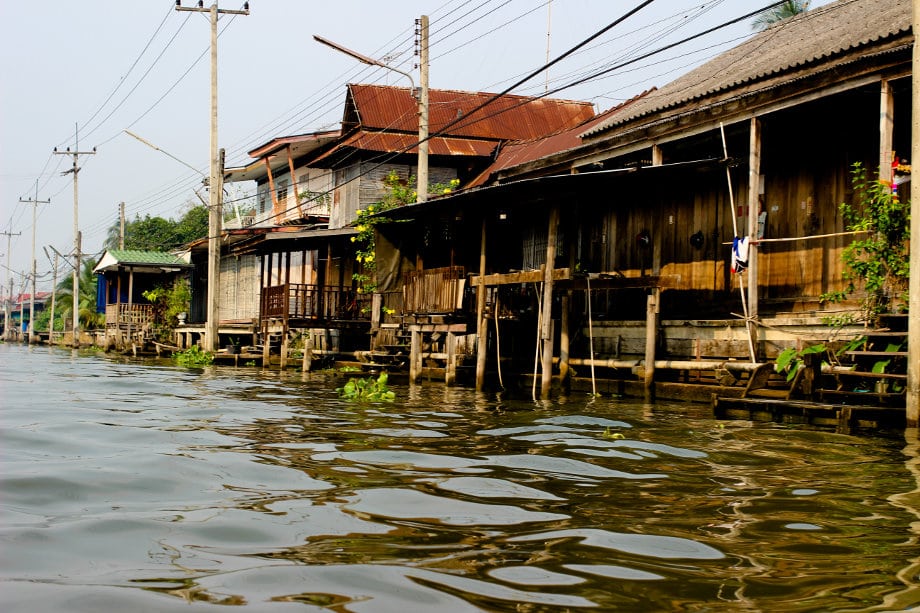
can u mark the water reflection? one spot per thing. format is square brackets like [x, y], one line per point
[140, 486]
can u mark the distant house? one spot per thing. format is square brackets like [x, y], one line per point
[307, 261]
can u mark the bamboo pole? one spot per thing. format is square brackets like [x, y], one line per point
[481, 329]
[546, 329]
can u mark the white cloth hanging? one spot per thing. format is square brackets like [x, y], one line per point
[739, 254]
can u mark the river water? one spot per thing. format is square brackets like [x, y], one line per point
[142, 486]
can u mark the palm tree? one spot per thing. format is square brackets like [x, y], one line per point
[787, 9]
[89, 318]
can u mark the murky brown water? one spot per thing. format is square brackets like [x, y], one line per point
[146, 487]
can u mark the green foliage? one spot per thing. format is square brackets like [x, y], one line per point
[86, 301]
[399, 193]
[157, 233]
[790, 361]
[877, 261]
[787, 9]
[168, 301]
[367, 390]
[193, 357]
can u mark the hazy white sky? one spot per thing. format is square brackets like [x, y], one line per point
[106, 65]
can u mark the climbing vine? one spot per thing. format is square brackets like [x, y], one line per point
[399, 193]
[878, 260]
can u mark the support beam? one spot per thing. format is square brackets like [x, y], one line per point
[546, 330]
[885, 131]
[481, 328]
[450, 372]
[913, 334]
[415, 356]
[753, 213]
[651, 339]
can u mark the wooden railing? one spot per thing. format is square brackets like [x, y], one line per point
[301, 301]
[122, 315]
[437, 290]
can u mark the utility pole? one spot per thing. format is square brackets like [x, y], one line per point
[421, 95]
[214, 190]
[53, 298]
[422, 188]
[9, 281]
[34, 202]
[121, 226]
[75, 169]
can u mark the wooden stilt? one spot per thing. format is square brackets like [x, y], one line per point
[450, 373]
[481, 327]
[285, 347]
[564, 338]
[415, 356]
[651, 333]
[546, 332]
[307, 351]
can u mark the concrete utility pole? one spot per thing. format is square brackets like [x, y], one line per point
[421, 95]
[76, 232]
[913, 321]
[121, 225]
[53, 298]
[34, 202]
[214, 183]
[422, 188]
[9, 282]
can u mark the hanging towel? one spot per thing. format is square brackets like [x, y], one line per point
[739, 254]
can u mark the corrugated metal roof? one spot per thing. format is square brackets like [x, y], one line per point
[509, 117]
[113, 259]
[516, 153]
[788, 46]
[390, 142]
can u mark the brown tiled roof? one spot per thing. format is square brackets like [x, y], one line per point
[386, 142]
[792, 45]
[509, 117]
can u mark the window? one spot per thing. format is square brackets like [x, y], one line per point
[282, 190]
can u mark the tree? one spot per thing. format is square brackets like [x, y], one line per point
[787, 9]
[157, 233]
[878, 260]
[89, 318]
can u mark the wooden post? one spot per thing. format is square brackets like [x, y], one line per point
[546, 332]
[651, 338]
[885, 131]
[753, 214]
[450, 373]
[415, 354]
[266, 345]
[913, 321]
[564, 338]
[481, 328]
[307, 350]
[285, 346]
[130, 303]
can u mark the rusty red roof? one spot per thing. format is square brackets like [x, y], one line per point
[520, 152]
[507, 117]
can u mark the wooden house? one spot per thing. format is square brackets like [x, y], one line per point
[614, 240]
[307, 262]
[123, 277]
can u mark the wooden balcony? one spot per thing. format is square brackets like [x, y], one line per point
[124, 316]
[313, 303]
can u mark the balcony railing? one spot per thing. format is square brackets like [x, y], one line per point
[124, 315]
[303, 301]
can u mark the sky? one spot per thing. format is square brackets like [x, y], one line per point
[79, 74]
